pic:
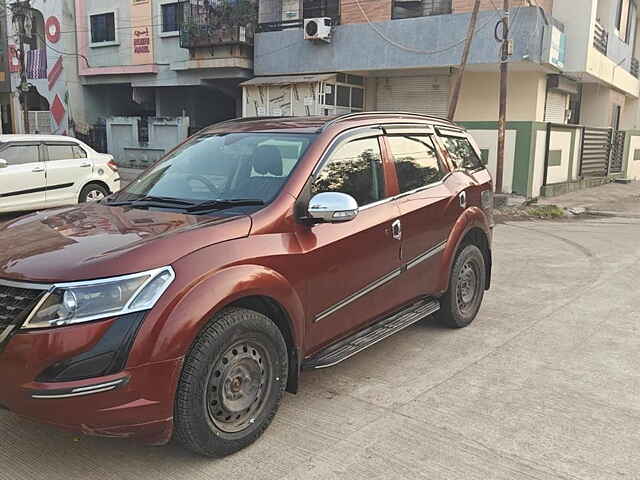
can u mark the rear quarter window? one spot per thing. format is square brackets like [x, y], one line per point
[462, 153]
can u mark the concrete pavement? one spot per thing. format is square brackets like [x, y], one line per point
[544, 385]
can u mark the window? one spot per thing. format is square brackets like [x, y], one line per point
[347, 94]
[420, 8]
[321, 8]
[625, 19]
[231, 166]
[60, 152]
[462, 153]
[103, 28]
[78, 152]
[172, 16]
[354, 168]
[416, 161]
[20, 154]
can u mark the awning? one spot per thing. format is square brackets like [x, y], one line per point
[289, 79]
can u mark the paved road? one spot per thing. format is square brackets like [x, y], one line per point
[545, 385]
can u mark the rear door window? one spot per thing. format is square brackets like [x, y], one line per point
[20, 154]
[78, 152]
[354, 168]
[462, 153]
[416, 161]
[60, 152]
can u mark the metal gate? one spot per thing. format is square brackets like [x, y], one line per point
[617, 152]
[596, 151]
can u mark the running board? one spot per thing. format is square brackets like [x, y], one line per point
[377, 332]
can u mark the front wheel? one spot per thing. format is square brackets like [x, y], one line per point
[460, 305]
[232, 382]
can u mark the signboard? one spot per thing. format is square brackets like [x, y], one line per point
[557, 47]
[142, 33]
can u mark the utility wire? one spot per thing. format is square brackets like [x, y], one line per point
[382, 35]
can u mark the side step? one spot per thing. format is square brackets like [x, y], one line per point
[363, 339]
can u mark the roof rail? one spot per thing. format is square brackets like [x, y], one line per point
[243, 119]
[350, 116]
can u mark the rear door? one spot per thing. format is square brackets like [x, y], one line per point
[425, 203]
[67, 172]
[23, 181]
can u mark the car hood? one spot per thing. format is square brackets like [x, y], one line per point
[97, 241]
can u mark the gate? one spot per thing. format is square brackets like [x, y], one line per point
[617, 152]
[596, 152]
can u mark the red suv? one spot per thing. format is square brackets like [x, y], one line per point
[187, 303]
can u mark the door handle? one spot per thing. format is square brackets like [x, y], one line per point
[463, 199]
[396, 230]
[38, 170]
[85, 165]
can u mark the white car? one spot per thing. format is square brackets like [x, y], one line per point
[44, 171]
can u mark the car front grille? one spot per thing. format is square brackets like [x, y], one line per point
[16, 303]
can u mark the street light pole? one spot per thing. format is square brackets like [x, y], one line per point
[504, 79]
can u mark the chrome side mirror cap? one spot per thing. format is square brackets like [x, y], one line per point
[3, 163]
[333, 207]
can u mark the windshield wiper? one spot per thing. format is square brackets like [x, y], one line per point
[222, 204]
[151, 200]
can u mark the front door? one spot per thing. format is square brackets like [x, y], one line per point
[352, 265]
[425, 204]
[22, 181]
[67, 173]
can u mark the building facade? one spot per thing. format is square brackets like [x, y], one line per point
[573, 62]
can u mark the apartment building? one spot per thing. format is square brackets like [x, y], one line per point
[573, 62]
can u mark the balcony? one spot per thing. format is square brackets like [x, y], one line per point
[601, 39]
[635, 67]
[222, 24]
[411, 43]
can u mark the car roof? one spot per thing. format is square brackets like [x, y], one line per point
[319, 124]
[37, 138]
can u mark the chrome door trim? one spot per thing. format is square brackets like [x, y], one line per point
[381, 281]
[359, 294]
[427, 255]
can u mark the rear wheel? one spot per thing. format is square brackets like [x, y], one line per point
[92, 193]
[460, 305]
[232, 383]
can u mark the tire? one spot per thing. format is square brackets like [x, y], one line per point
[220, 407]
[460, 304]
[92, 193]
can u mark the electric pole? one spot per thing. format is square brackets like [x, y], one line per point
[504, 78]
[21, 14]
[455, 96]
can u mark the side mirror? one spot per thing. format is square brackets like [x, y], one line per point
[3, 163]
[333, 207]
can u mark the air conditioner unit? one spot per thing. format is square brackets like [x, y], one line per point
[318, 29]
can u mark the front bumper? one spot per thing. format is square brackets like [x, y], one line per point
[136, 402]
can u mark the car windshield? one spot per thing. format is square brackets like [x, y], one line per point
[213, 171]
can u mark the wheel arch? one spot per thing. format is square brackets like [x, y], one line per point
[174, 330]
[472, 227]
[272, 309]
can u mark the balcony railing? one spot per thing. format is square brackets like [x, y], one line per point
[601, 39]
[218, 24]
[635, 67]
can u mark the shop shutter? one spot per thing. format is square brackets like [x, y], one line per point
[556, 109]
[428, 95]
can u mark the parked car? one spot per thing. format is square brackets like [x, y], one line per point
[187, 303]
[44, 171]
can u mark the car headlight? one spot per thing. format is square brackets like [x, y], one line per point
[69, 303]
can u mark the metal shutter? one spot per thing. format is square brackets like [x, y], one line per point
[556, 109]
[428, 95]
